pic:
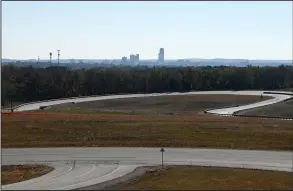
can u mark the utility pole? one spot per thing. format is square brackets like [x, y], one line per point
[37, 93]
[50, 54]
[58, 56]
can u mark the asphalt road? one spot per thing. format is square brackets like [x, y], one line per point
[81, 167]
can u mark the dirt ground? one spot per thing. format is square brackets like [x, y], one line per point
[208, 178]
[17, 173]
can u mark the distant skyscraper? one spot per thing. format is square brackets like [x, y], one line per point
[124, 59]
[132, 59]
[137, 59]
[161, 56]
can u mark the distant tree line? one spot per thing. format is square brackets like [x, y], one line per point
[25, 84]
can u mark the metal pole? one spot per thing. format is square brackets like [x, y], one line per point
[58, 56]
[50, 54]
[162, 159]
[11, 109]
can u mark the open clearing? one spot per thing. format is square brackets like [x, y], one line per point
[103, 130]
[54, 128]
[183, 104]
[282, 109]
[199, 178]
[17, 173]
[153, 128]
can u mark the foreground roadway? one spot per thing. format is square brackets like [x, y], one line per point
[82, 167]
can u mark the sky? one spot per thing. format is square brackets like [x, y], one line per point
[110, 30]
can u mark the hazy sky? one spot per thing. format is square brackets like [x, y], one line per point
[251, 30]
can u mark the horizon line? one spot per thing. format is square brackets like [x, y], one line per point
[147, 59]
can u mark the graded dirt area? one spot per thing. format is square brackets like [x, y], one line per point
[282, 109]
[17, 173]
[209, 178]
[102, 130]
[171, 104]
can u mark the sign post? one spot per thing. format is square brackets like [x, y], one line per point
[162, 151]
[11, 108]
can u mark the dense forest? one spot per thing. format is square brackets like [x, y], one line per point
[25, 84]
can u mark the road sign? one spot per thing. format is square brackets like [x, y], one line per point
[162, 151]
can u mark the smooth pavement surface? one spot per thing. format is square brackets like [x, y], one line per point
[96, 165]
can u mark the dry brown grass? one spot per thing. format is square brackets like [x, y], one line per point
[180, 105]
[95, 128]
[60, 130]
[17, 173]
[282, 109]
[197, 178]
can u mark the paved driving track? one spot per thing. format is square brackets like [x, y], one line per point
[96, 165]
[276, 98]
[82, 167]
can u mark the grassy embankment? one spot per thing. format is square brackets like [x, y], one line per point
[197, 178]
[17, 173]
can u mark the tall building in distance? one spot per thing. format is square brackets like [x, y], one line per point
[137, 59]
[134, 59]
[161, 56]
[124, 59]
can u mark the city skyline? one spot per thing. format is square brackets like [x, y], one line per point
[105, 30]
[134, 58]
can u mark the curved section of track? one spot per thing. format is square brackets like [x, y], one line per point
[276, 98]
[83, 167]
[231, 110]
[96, 165]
